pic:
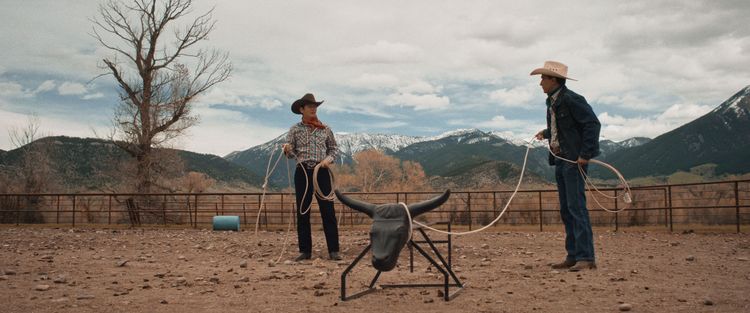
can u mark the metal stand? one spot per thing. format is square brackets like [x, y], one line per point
[444, 268]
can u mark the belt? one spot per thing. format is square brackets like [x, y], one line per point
[309, 164]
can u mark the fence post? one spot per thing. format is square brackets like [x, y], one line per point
[669, 207]
[195, 205]
[222, 204]
[18, 210]
[164, 210]
[58, 210]
[109, 210]
[494, 206]
[190, 213]
[74, 210]
[541, 215]
[617, 225]
[666, 217]
[244, 212]
[468, 203]
[737, 204]
[282, 208]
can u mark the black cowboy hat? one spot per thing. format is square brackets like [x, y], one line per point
[306, 99]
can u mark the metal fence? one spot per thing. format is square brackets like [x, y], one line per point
[725, 204]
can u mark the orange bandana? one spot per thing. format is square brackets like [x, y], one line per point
[314, 122]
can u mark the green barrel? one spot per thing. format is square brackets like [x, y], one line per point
[227, 222]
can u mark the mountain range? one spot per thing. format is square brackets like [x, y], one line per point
[89, 163]
[721, 137]
[463, 157]
[450, 154]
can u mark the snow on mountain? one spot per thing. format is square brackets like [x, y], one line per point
[351, 143]
[633, 142]
[455, 133]
[736, 106]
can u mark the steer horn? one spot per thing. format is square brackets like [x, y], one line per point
[428, 205]
[364, 207]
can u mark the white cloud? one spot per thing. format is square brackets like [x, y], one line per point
[222, 131]
[419, 102]
[359, 55]
[219, 95]
[618, 128]
[91, 96]
[70, 88]
[381, 52]
[375, 81]
[45, 86]
[48, 126]
[516, 97]
[501, 122]
[11, 90]
[420, 87]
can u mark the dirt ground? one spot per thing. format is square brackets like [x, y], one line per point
[174, 270]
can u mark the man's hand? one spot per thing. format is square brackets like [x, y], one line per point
[582, 161]
[325, 163]
[287, 148]
[540, 135]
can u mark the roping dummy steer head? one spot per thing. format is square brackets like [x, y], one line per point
[390, 226]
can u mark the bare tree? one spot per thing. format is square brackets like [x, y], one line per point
[158, 79]
[195, 182]
[34, 173]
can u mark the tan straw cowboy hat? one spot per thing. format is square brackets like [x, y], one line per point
[306, 99]
[553, 68]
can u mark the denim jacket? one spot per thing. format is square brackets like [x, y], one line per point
[577, 126]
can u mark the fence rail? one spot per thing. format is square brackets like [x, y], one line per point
[724, 203]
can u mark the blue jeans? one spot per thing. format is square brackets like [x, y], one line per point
[579, 238]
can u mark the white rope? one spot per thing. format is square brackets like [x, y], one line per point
[626, 196]
[289, 225]
[316, 189]
[269, 170]
[523, 169]
[408, 214]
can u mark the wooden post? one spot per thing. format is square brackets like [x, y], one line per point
[737, 204]
[109, 210]
[494, 206]
[468, 207]
[244, 211]
[74, 210]
[541, 215]
[282, 208]
[195, 206]
[669, 207]
[58, 209]
[616, 213]
[164, 210]
[190, 213]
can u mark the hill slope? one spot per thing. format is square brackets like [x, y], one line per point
[87, 163]
[722, 136]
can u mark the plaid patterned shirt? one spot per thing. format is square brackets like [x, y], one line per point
[554, 142]
[311, 144]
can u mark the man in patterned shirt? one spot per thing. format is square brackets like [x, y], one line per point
[573, 134]
[311, 142]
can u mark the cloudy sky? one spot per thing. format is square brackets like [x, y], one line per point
[404, 67]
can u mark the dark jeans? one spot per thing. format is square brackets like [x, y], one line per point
[579, 238]
[327, 213]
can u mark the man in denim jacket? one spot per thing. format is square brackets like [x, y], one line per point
[573, 134]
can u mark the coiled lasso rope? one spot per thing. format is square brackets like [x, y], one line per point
[520, 179]
[317, 192]
[626, 196]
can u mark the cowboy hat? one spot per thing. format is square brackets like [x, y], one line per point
[553, 68]
[306, 99]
